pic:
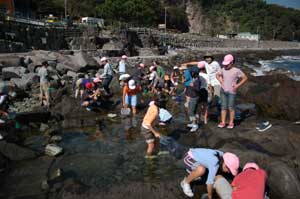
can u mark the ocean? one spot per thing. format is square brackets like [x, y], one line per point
[289, 65]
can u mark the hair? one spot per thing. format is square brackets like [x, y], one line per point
[45, 63]
[220, 159]
[156, 62]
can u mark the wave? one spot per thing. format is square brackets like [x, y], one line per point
[289, 65]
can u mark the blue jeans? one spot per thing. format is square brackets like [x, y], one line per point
[131, 100]
[227, 100]
[193, 105]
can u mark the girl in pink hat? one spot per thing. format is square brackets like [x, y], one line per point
[200, 160]
[230, 78]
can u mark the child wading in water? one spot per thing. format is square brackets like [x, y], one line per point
[147, 128]
[231, 78]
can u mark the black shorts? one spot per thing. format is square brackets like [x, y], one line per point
[203, 95]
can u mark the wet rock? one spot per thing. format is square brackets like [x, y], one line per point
[15, 152]
[44, 185]
[283, 180]
[72, 74]
[9, 75]
[56, 138]
[44, 127]
[10, 61]
[3, 163]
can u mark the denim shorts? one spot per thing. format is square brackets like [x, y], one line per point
[131, 100]
[193, 105]
[227, 100]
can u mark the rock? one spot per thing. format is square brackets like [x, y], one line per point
[20, 71]
[26, 81]
[15, 152]
[72, 74]
[272, 96]
[53, 150]
[55, 138]
[282, 180]
[44, 127]
[3, 163]
[9, 75]
[10, 61]
[44, 185]
[60, 67]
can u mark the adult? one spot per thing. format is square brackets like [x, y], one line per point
[212, 67]
[130, 92]
[44, 84]
[139, 74]
[154, 79]
[187, 79]
[249, 184]
[203, 93]
[122, 65]
[231, 78]
[200, 160]
[107, 75]
[7, 93]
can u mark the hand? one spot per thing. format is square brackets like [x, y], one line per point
[192, 84]
[157, 135]
[235, 87]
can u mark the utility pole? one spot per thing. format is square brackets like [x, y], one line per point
[66, 2]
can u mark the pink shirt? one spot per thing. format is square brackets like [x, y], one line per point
[230, 78]
[250, 184]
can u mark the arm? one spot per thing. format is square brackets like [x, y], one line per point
[124, 94]
[156, 134]
[190, 63]
[220, 78]
[244, 78]
[209, 188]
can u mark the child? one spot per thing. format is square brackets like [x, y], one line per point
[230, 78]
[198, 160]
[130, 92]
[203, 93]
[165, 117]
[147, 128]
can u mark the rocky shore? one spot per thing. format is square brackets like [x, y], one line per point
[104, 157]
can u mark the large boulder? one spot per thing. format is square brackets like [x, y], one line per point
[26, 81]
[19, 71]
[274, 96]
[15, 152]
[9, 61]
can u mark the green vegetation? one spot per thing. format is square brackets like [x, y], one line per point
[225, 16]
[271, 21]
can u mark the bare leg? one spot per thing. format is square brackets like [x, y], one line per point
[231, 116]
[134, 110]
[150, 148]
[199, 171]
[223, 116]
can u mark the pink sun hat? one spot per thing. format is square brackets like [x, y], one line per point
[228, 59]
[232, 162]
[201, 64]
[251, 165]
[124, 57]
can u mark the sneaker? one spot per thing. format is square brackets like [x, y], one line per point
[221, 125]
[194, 128]
[190, 125]
[264, 126]
[230, 126]
[186, 188]
[1, 137]
[88, 109]
[2, 121]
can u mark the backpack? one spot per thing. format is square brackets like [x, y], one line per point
[194, 70]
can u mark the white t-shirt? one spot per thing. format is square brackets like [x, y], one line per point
[164, 115]
[204, 80]
[211, 70]
[43, 75]
[122, 66]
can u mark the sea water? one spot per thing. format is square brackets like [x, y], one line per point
[289, 65]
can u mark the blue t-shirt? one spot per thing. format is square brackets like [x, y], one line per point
[187, 78]
[207, 158]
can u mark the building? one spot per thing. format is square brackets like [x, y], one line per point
[248, 36]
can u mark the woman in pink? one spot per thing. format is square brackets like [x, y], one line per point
[230, 78]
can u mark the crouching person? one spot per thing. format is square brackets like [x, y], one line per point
[147, 128]
[200, 160]
[249, 184]
[90, 96]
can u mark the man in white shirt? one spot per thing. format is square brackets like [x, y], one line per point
[107, 75]
[212, 67]
[122, 65]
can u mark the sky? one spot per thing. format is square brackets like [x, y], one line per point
[286, 3]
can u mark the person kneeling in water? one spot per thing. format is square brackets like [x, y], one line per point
[199, 160]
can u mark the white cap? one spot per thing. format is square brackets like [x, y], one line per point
[124, 77]
[142, 65]
[175, 67]
[131, 84]
[151, 68]
[103, 59]
[124, 57]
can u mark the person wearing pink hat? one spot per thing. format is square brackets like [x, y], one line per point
[249, 184]
[200, 160]
[122, 65]
[231, 78]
